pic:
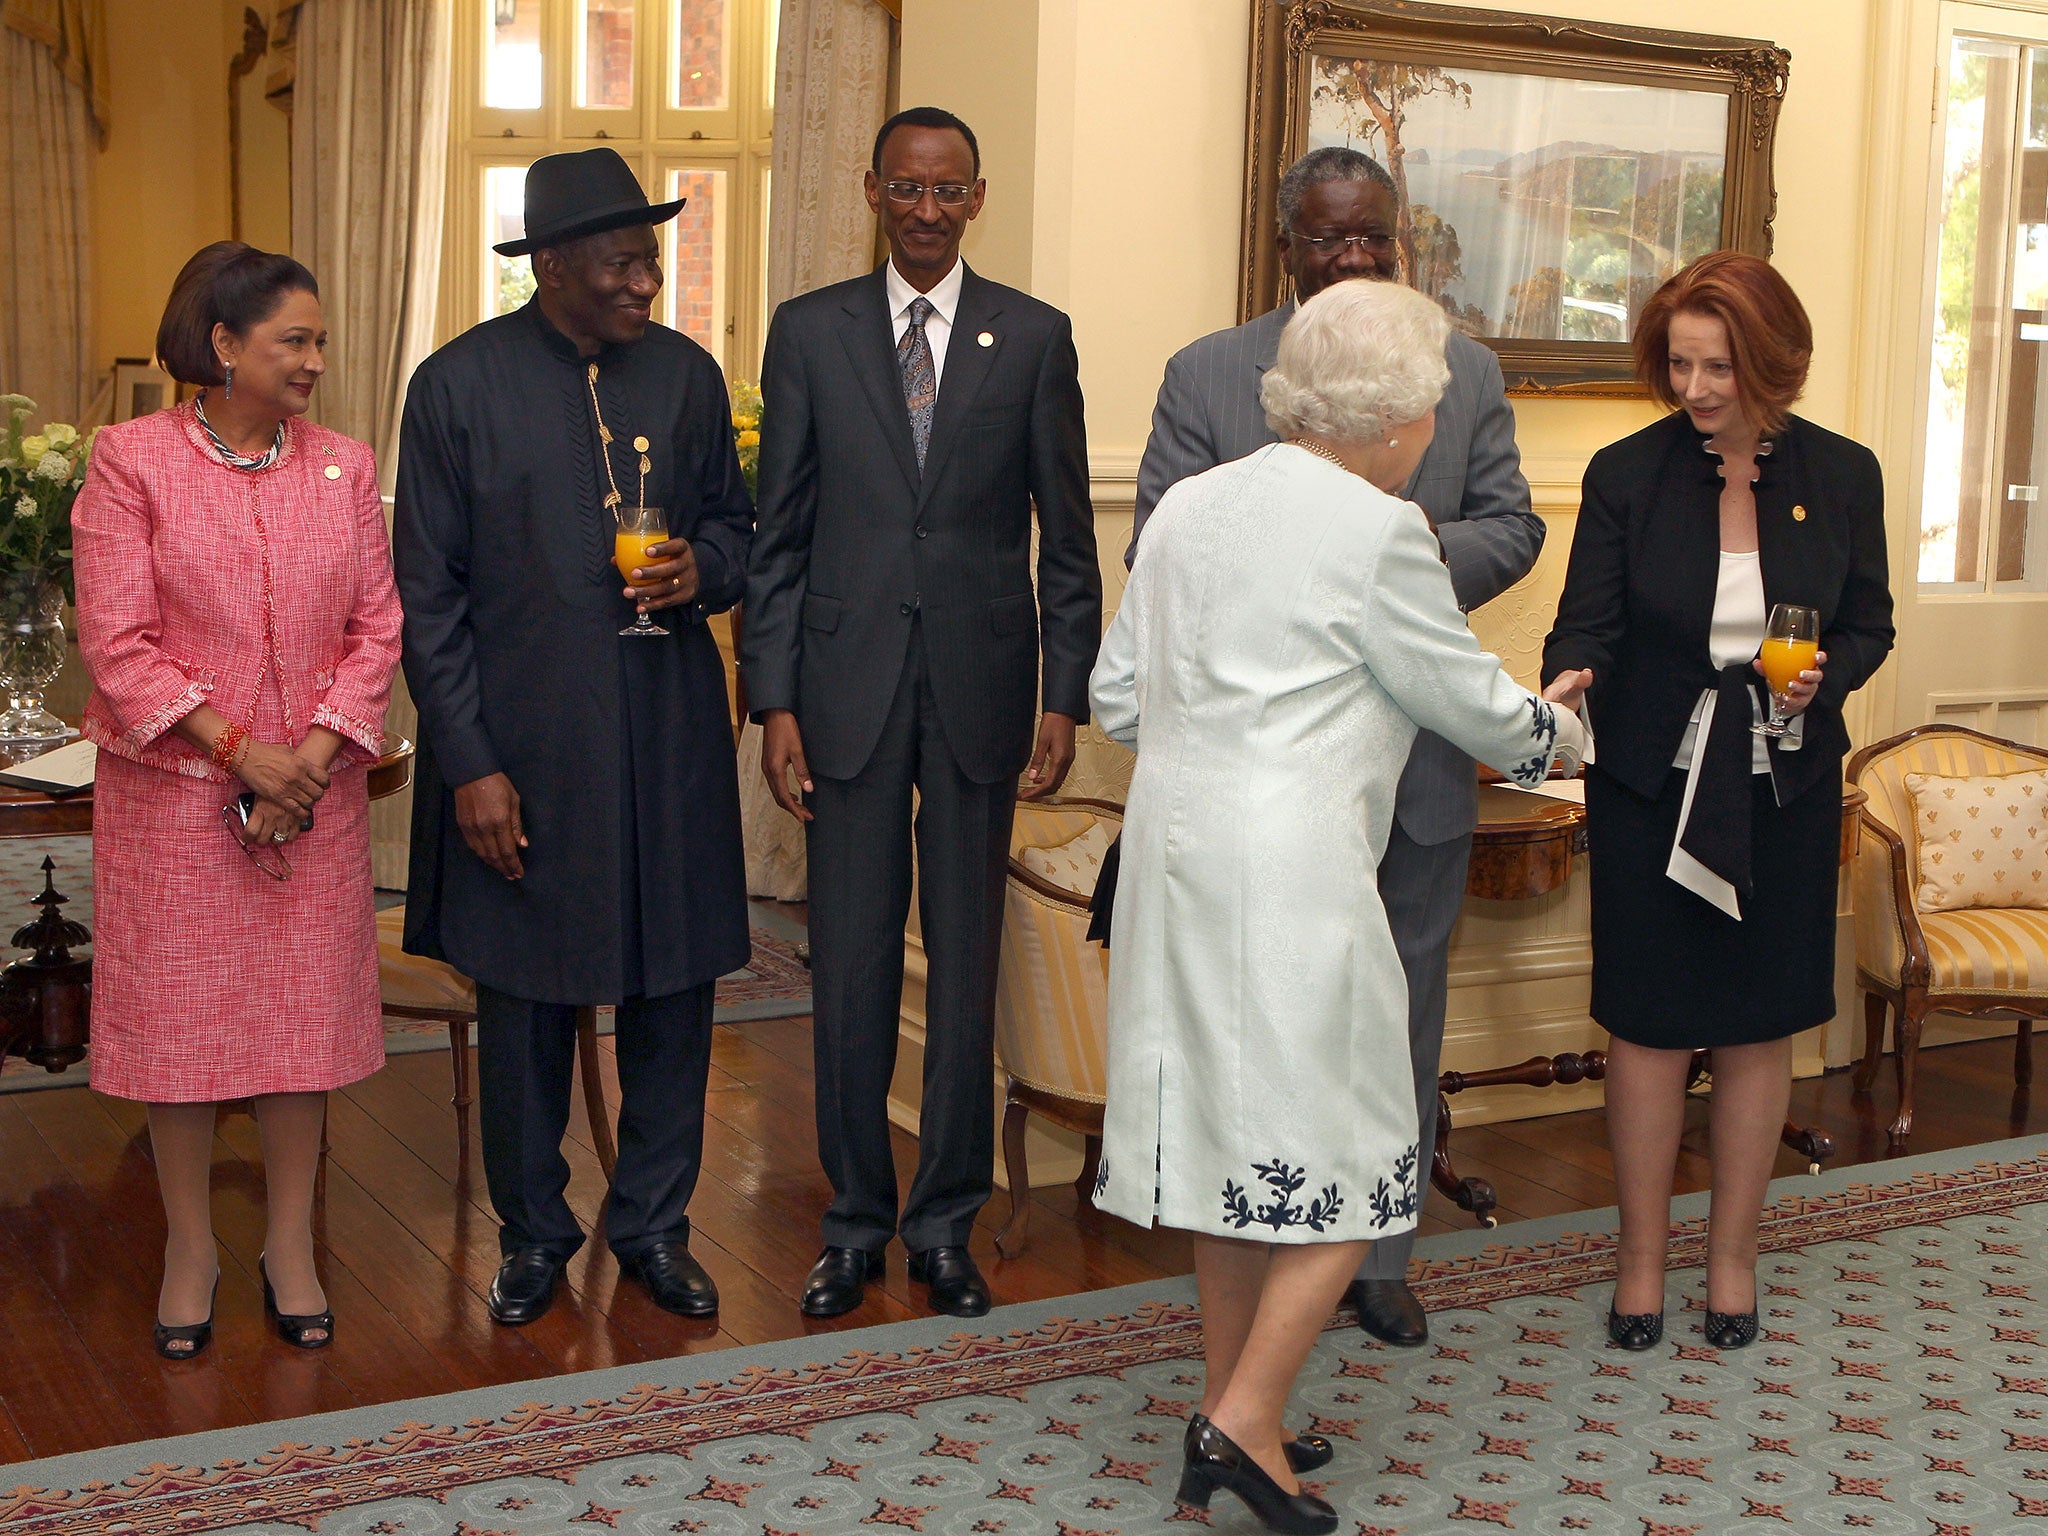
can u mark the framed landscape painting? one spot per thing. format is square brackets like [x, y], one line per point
[1550, 173]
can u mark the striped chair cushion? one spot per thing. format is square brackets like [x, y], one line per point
[1052, 987]
[413, 981]
[1992, 950]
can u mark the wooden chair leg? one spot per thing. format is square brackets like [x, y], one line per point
[1874, 1005]
[1010, 1241]
[2023, 1053]
[1471, 1194]
[1091, 1165]
[593, 1092]
[458, 1058]
[1912, 1014]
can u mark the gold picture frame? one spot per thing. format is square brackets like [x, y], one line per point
[1569, 166]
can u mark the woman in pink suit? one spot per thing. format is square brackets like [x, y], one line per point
[237, 614]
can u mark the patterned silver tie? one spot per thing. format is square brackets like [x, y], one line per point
[920, 379]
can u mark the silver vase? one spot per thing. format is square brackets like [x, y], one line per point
[32, 651]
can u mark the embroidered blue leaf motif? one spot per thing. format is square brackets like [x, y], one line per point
[1280, 1212]
[1543, 726]
[1101, 1176]
[1402, 1198]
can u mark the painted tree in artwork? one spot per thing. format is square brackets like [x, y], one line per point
[1376, 95]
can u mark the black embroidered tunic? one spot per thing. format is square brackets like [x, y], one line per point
[621, 749]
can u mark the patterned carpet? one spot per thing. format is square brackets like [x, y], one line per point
[773, 985]
[1900, 1387]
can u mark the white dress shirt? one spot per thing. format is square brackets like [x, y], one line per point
[938, 325]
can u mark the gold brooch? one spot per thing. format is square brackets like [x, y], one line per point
[1799, 514]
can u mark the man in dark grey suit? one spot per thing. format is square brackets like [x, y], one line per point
[1337, 221]
[912, 418]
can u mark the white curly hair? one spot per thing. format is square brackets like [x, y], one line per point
[1357, 360]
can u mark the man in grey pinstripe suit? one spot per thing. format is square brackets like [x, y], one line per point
[1337, 221]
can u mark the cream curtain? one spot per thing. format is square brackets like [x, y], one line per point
[369, 167]
[832, 73]
[52, 118]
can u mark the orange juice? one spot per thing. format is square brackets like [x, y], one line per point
[629, 553]
[1784, 660]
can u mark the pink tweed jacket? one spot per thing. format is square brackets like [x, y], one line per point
[195, 579]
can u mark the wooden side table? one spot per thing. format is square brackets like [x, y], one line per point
[46, 1000]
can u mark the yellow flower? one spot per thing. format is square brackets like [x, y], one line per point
[749, 439]
[61, 434]
[33, 448]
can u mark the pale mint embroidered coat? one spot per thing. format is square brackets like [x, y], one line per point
[1286, 629]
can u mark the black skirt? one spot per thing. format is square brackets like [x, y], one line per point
[1674, 972]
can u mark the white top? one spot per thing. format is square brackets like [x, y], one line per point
[1736, 633]
[938, 326]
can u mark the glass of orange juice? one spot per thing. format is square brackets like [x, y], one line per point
[1791, 642]
[640, 529]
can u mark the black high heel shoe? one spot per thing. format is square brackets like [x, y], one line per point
[1635, 1330]
[193, 1336]
[293, 1327]
[1730, 1330]
[1215, 1461]
[1305, 1453]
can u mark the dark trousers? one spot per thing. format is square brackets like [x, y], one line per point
[1422, 886]
[526, 1053]
[860, 878]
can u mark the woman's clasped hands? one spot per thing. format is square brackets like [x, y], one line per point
[287, 787]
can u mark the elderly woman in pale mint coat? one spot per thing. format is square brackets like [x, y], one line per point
[1288, 627]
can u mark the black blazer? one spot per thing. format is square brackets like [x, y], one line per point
[851, 540]
[1638, 598]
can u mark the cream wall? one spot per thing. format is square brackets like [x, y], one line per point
[160, 188]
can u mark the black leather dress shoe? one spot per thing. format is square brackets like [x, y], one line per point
[837, 1281]
[1389, 1311]
[674, 1279]
[525, 1286]
[957, 1288]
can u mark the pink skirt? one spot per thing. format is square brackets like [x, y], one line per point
[210, 979]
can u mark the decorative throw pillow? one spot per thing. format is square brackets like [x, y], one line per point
[1983, 841]
[1074, 864]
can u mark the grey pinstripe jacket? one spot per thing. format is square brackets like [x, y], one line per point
[1470, 483]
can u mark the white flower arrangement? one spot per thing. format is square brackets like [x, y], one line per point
[40, 475]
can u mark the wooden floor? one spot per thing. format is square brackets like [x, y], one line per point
[409, 1244]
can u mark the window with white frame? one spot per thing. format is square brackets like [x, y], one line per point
[683, 89]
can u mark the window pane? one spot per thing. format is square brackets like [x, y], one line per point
[1987, 433]
[697, 66]
[696, 260]
[512, 57]
[604, 33]
[508, 280]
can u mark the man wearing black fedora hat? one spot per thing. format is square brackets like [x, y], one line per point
[576, 834]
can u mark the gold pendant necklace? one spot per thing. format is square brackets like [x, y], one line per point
[604, 446]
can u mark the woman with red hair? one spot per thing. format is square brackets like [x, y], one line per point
[1714, 845]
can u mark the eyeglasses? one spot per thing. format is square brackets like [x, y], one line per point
[269, 859]
[1330, 245]
[948, 194]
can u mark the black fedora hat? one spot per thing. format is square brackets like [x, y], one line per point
[584, 193]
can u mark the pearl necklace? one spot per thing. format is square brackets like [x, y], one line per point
[1319, 451]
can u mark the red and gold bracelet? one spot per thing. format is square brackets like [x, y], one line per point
[228, 745]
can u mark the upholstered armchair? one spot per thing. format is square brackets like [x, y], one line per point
[1916, 955]
[1052, 989]
[415, 987]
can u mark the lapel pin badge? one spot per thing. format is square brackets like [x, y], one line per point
[1799, 514]
[986, 338]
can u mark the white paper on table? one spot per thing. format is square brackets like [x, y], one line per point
[69, 767]
[1572, 790]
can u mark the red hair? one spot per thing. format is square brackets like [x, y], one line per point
[1770, 339]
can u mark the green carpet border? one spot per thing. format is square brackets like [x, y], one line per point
[1152, 1320]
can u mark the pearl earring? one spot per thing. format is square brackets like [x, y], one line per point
[228, 389]
[1393, 442]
